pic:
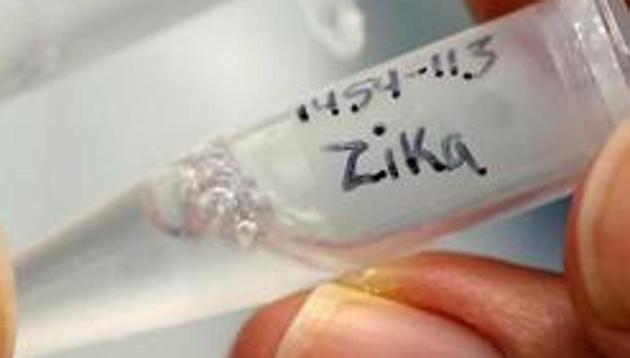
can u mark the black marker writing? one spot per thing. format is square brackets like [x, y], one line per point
[455, 154]
[481, 48]
[415, 153]
[452, 62]
[329, 103]
[469, 62]
[352, 179]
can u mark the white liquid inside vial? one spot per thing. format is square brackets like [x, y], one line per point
[495, 119]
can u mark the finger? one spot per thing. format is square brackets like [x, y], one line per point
[451, 306]
[483, 10]
[261, 337]
[598, 252]
[337, 321]
[524, 312]
[7, 303]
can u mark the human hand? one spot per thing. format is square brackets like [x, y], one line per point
[442, 305]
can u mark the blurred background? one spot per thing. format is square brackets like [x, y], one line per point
[70, 144]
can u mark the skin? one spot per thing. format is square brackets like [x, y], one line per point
[7, 300]
[520, 311]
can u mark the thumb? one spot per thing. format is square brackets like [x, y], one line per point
[598, 252]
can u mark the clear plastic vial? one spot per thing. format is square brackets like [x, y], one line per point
[493, 120]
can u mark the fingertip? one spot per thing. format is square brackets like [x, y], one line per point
[525, 312]
[598, 249]
[433, 304]
[484, 10]
[340, 321]
[262, 334]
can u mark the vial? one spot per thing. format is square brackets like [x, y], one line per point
[483, 124]
[494, 120]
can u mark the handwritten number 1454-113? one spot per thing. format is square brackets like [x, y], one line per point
[357, 96]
